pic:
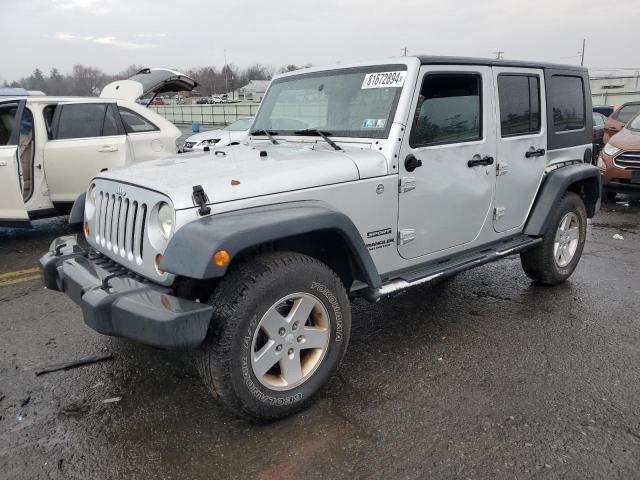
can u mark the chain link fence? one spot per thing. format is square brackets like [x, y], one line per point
[215, 114]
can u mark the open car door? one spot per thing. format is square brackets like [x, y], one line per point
[148, 82]
[12, 210]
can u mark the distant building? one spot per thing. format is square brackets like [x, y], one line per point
[615, 90]
[251, 92]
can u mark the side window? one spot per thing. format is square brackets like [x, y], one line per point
[111, 123]
[448, 110]
[7, 121]
[82, 120]
[134, 123]
[627, 112]
[519, 104]
[567, 102]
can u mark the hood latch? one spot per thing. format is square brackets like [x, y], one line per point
[200, 198]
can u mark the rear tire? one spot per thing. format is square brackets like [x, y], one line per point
[279, 330]
[555, 259]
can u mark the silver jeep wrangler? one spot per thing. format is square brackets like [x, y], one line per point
[356, 181]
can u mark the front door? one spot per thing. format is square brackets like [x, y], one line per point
[12, 209]
[87, 138]
[521, 144]
[447, 166]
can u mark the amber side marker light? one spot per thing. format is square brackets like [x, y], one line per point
[221, 258]
[87, 229]
[159, 258]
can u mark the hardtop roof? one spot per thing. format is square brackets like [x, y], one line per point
[492, 62]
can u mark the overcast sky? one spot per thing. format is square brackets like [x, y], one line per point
[112, 34]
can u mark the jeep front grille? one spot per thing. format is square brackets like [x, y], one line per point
[120, 225]
[628, 160]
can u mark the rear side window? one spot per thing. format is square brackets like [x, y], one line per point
[519, 104]
[626, 113]
[567, 102]
[448, 110]
[85, 120]
[134, 123]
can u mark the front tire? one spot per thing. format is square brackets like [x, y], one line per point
[279, 330]
[555, 259]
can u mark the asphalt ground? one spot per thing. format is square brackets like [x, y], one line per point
[485, 375]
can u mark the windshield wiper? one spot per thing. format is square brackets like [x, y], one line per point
[268, 133]
[319, 133]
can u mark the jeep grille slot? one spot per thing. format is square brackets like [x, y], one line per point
[120, 224]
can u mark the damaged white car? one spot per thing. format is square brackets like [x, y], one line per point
[51, 147]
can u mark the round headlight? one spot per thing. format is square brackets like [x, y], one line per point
[91, 195]
[165, 220]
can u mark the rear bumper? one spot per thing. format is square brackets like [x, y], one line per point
[116, 302]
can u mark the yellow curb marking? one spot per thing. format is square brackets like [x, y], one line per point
[20, 276]
[20, 280]
[18, 273]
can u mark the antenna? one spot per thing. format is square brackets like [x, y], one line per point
[405, 51]
[581, 52]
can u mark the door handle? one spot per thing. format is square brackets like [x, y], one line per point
[477, 161]
[535, 153]
[107, 148]
[411, 163]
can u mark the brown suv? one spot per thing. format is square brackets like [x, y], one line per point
[619, 118]
[619, 160]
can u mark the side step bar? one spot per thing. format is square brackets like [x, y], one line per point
[451, 266]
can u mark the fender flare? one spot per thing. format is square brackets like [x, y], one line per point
[76, 216]
[192, 247]
[554, 186]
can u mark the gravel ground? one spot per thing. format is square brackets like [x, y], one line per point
[485, 375]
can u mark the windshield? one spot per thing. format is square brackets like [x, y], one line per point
[634, 124]
[354, 102]
[239, 125]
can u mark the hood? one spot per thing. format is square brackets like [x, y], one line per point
[239, 171]
[626, 139]
[148, 81]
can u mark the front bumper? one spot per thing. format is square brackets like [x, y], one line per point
[117, 302]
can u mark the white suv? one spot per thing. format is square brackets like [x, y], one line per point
[51, 147]
[358, 181]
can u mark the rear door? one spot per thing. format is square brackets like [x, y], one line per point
[521, 143]
[12, 209]
[87, 138]
[447, 166]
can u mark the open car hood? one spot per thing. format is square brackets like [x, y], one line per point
[148, 81]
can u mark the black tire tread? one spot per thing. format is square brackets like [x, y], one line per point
[213, 360]
[538, 263]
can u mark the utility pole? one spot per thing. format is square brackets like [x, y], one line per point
[499, 54]
[581, 52]
[226, 72]
[405, 51]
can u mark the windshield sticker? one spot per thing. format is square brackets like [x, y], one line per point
[384, 80]
[374, 123]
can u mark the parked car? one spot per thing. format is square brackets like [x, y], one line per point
[619, 161]
[234, 132]
[408, 170]
[605, 110]
[51, 147]
[619, 118]
[598, 134]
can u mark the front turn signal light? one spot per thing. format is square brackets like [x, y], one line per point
[87, 230]
[159, 258]
[221, 258]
